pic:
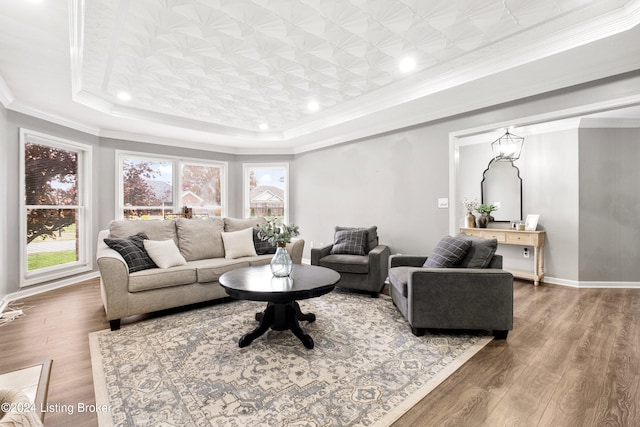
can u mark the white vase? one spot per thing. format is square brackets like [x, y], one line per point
[281, 264]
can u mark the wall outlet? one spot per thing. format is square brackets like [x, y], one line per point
[525, 252]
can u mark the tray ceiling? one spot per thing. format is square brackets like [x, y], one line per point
[226, 67]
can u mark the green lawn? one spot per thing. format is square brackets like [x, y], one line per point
[49, 259]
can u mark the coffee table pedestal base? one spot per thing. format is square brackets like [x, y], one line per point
[280, 317]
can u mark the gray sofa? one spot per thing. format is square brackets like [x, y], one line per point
[201, 244]
[478, 298]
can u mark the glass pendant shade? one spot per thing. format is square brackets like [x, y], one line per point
[507, 147]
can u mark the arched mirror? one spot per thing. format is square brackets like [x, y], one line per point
[502, 186]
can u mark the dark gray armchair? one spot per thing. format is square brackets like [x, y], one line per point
[356, 254]
[452, 298]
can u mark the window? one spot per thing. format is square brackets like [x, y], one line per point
[54, 221]
[158, 187]
[266, 191]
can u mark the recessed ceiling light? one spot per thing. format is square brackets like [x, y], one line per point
[313, 106]
[407, 65]
[263, 126]
[124, 96]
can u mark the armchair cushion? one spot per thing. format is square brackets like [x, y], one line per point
[345, 263]
[398, 277]
[372, 236]
[448, 252]
[351, 242]
[480, 253]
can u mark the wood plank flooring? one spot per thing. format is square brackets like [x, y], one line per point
[573, 359]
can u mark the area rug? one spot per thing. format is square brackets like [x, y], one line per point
[186, 369]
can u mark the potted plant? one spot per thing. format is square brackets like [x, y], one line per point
[485, 210]
[279, 234]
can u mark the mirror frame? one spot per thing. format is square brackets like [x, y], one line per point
[482, 183]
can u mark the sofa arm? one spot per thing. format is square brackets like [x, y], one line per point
[319, 253]
[114, 279]
[460, 298]
[406, 261]
[295, 248]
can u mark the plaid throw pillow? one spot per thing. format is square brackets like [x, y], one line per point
[350, 242]
[132, 250]
[262, 246]
[448, 252]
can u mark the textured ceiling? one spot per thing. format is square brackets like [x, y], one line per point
[239, 63]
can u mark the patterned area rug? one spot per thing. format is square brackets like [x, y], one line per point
[186, 369]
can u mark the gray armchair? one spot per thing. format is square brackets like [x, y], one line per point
[356, 254]
[452, 298]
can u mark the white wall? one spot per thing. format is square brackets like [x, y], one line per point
[4, 154]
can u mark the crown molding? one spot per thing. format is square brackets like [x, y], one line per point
[6, 97]
[53, 118]
[594, 122]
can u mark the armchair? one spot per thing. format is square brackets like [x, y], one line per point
[452, 298]
[357, 256]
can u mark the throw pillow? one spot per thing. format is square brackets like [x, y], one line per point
[132, 250]
[350, 242]
[448, 252]
[372, 235]
[262, 246]
[238, 243]
[481, 252]
[164, 253]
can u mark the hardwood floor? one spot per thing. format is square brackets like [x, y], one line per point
[573, 359]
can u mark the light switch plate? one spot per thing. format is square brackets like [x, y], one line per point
[443, 203]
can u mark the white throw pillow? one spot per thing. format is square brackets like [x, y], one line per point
[164, 253]
[238, 243]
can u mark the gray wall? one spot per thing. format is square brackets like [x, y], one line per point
[394, 180]
[609, 205]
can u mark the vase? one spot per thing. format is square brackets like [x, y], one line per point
[281, 264]
[483, 221]
[471, 220]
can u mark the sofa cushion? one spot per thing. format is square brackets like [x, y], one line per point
[372, 235]
[346, 263]
[157, 278]
[448, 252]
[155, 229]
[164, 253]
[262, 246]
[480, 253]
[132, 250]
[238, 244]
[200, 238]
[351, 242]
[398, 278]
[237, 224]
[210, 270]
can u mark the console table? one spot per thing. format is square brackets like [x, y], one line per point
[522, 238]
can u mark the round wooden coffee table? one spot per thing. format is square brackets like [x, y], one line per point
[281, 294]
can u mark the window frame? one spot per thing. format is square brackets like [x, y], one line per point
[83, 207]
[246, 169]
[177, 163]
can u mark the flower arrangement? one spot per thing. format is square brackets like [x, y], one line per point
[277, 233]
[470, 205]
[486, 208]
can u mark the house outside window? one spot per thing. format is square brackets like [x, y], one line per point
[152, 187]
[54, 221]
[266, 191]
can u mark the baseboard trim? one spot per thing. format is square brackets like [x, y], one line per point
[588, 284]
[39, 289]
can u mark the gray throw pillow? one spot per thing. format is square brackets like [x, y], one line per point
[350, 242]
[372, 236]
[132, 250]
[481, 252]
[448, 252]
[262, 246]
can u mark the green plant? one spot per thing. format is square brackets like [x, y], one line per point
[277, 233]
[486, 208]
